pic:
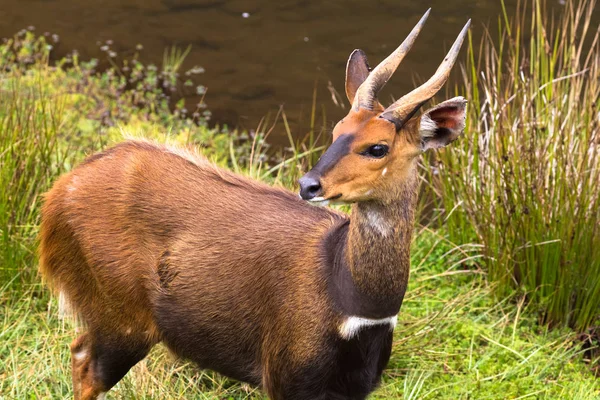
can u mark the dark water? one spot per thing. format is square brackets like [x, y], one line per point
[259, 55]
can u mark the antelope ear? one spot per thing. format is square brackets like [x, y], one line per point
[443, 123]
[357, 71]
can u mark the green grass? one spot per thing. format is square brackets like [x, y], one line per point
[30, 158]
[524, 179]
[452, 342]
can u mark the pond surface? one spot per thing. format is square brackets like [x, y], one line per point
[259, 55]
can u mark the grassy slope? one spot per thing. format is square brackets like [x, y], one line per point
[452, 342]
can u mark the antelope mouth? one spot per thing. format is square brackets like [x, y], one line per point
[322, 201]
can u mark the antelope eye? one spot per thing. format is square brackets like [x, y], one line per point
[376, 151]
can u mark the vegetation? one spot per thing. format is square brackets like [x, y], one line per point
[524, 181]
[464, 331]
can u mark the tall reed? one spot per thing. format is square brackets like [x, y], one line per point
[30, 158]
[525, 179]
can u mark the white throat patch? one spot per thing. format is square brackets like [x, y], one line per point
[352, 325]
[379, 223]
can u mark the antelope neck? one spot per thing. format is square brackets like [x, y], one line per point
[369, 256]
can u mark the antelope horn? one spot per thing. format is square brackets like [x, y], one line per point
[404, 108]
[367, 91]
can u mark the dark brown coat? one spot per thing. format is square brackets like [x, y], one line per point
[152, 244]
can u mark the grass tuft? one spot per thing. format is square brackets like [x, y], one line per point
[524, 181]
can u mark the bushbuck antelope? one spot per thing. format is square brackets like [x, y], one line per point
[150, 244]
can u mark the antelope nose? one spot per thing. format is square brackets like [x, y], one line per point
[310, 187]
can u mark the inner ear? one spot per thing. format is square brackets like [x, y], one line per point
[443, 124]
[357, 71]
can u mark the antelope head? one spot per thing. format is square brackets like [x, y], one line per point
[374, 148]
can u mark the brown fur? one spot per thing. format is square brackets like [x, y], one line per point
[141, 235]
[113, 227]
[155, 244]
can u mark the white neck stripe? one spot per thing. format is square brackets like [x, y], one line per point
[352, 325]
